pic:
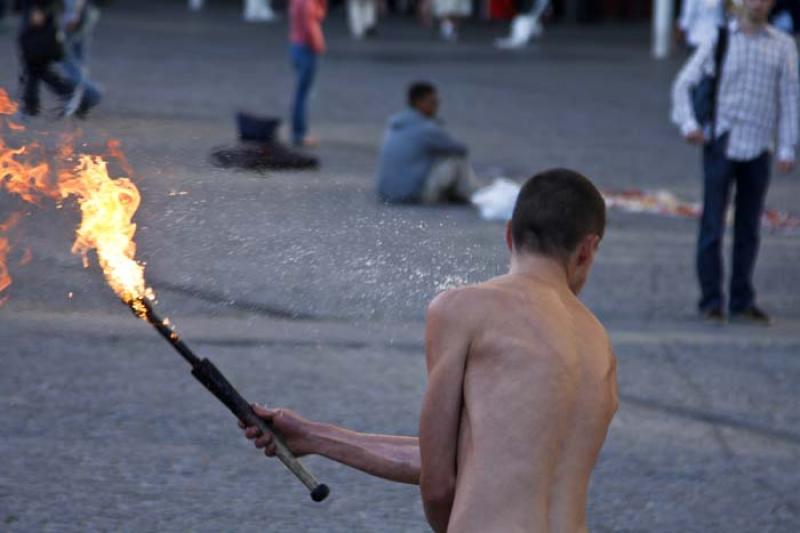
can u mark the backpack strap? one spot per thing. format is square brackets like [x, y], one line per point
[719, 57]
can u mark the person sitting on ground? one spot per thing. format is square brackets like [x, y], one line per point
[419, 160]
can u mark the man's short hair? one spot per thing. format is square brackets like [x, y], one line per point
[555, 211]
[419, 90]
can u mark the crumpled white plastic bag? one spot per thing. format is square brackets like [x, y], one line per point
[496, 201]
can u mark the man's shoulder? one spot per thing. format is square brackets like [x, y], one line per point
[591, 321]
[781, 37]
[466, 304]
[454, 299]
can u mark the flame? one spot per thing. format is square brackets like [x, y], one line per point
[5, 248]
[107, 206]
[27, 257]
[7, 105]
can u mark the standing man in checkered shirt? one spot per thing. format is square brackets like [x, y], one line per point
[757, 115]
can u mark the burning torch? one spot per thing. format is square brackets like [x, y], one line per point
[107, 207]
[212, 379]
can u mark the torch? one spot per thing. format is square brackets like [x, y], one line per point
[107, 208]
[212, 379]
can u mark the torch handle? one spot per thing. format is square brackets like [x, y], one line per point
[319, 491]
[210, 376]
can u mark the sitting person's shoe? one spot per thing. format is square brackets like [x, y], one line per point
[308, 141]
[751, 315]
[713, 316]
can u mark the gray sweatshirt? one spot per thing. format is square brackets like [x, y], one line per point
[411, 145]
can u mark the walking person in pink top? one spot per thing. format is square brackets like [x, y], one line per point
[306, 43]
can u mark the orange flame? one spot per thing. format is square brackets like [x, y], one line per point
[7, 105]
[27, 257]
[107, 207]
[5, 248]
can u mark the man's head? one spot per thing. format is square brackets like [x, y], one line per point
[559, 214]
[422, 97]
[757, 11]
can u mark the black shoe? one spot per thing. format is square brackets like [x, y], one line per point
[751, 315]
[714, 316]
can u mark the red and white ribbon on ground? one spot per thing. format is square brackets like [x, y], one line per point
[496, 202]
[662, 202]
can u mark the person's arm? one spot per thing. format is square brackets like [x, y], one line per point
[446, 347]
[71, 16]
[391, 457]
[440, 142]
[688, 15]
[788, 94]
[314, 15]
[691, 74]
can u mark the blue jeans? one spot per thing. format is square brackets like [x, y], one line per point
[304, 61]
[75, 71]
[751, 179]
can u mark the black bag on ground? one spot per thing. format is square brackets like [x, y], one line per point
[704, 94]
[257, 129]
[43, 44]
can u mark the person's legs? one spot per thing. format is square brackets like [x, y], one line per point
[258, 11]
[355, 18]
[62, 87]
[752, 180]
[304, 61]
[450, 180]
[539, 7]
[370, 16]
[86, 94]
[718, 174]
[30, 90]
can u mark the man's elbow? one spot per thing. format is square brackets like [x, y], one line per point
[438, 504]
[437, 495]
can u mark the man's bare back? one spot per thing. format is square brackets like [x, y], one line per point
[539, 392]
[521, 384]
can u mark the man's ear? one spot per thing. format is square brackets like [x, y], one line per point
[588, 249]
[509, 237]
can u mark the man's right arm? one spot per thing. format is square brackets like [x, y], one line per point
[688, 15]
[391, 457]
[440, 142]
[691, 74]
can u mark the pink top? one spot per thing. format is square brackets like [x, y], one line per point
[305, 23]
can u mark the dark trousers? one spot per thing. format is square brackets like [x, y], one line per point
[751, 179]
[304, 61]
[33, 76]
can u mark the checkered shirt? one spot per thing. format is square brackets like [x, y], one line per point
[758, 93]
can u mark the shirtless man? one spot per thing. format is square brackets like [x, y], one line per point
[521, 383]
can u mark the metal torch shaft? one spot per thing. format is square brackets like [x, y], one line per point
[216, 383]
[169, 334]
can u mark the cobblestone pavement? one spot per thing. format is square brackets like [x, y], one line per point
[309, 294]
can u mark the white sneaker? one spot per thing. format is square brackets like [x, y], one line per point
[523, 29]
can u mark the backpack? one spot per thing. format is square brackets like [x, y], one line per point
[704, 94]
